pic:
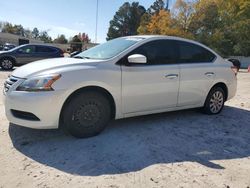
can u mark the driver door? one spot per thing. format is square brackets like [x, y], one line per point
[152, 86]
[25, 54]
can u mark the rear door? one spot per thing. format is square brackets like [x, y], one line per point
[197, 73]
[44, 52]
[152, 86]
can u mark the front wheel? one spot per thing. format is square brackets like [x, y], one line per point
[215, 101]
[86, 114]
[7, 63]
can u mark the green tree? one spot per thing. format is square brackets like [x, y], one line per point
[61, 39]
[156, 7]
[223, 25]
[126, 20]
[7, 28]
[19, 30]
[182, 13]
[237, 21]
[1, 26]
[43, 36]
[76, 43]
[207, 27]
[13, 29]
[35, 33]
[145, 20]
[27, 33]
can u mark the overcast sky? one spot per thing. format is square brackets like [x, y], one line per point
[63, 16]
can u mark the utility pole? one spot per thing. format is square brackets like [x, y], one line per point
[96, 21]
[167, 4]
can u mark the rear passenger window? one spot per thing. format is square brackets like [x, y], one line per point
[158, 52]
[44, 49]
[191, 53]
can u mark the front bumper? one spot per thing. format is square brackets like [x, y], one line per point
[44, 105]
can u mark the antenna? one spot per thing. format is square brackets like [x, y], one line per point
[96, 21]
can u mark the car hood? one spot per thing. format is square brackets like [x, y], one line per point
[50, 65]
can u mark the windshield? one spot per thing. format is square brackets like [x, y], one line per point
[109, 49]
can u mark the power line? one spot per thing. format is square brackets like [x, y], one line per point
[167, 4]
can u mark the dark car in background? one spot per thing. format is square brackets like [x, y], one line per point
[8, 46]
[27, 53]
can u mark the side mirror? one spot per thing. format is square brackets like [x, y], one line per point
[137, 58]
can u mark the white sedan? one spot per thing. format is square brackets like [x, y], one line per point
[121, 78]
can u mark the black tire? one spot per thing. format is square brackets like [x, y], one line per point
[215, 101]
[7, 63]
[86, 114]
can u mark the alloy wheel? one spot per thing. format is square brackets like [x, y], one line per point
[216, 102]
[7, 64]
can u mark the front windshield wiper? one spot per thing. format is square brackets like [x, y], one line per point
[81, 57]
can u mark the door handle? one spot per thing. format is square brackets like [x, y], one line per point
[209, 74]
[171, 76]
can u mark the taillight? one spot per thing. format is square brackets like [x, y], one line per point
[234, 69]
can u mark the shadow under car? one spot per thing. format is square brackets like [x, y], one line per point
[129, 145]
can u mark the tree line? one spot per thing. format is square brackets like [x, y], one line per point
[222, 25]
[7, 27]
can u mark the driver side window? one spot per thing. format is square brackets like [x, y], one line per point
[158, 52]
[26, 49]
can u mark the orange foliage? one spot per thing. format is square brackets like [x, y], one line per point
[163, 24]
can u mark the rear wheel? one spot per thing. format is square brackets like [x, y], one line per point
[87, 114]
[215, 101]
[7, 63]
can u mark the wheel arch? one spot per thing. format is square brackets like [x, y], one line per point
[222, 86]
[9, 57]
[98, 89]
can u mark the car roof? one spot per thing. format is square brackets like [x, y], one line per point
[162, 37]
[44, 45]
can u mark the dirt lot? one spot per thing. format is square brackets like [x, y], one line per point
[178, 149]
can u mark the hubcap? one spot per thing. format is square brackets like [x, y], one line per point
[216, 102]
[7, 64]
[87, 115]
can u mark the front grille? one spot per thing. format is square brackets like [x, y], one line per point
[9, 82]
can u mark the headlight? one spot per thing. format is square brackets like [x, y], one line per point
[40, 83]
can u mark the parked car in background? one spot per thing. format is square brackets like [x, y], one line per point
[27, 53]
[8, 46]
[121, 78]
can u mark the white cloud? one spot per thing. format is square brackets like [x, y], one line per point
[79, 24]
[54, 31]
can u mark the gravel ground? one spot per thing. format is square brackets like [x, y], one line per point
[177, 149]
